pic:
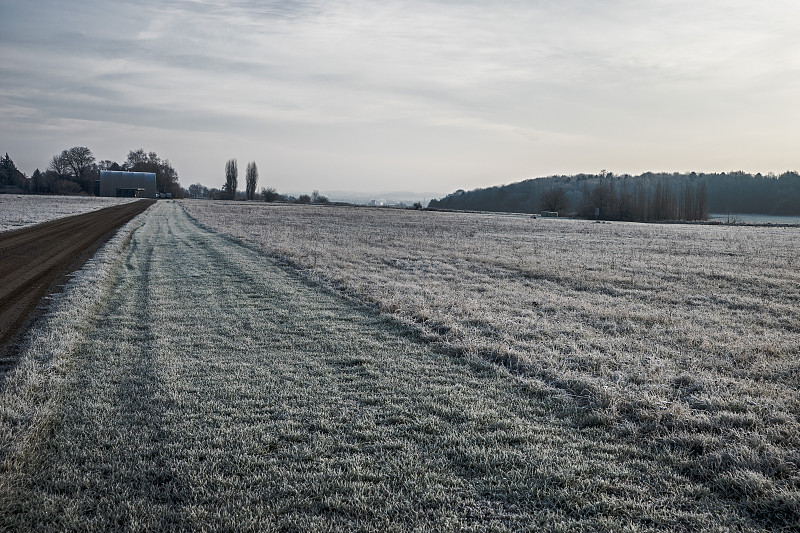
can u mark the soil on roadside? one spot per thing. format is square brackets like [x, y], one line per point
[35, 261]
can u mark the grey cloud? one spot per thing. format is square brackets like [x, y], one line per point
[396, 77]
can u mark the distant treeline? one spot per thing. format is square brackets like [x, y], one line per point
[649, 196]
[267, 194]
[75, 170]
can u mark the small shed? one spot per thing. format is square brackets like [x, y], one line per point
[127, 184]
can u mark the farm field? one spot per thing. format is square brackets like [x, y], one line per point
[187, 381]
[681, 338]
[19, 211]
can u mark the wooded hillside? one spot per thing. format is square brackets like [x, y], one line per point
[649, 196]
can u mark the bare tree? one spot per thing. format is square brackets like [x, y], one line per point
[604, 196]
[693, 206]
[59, 165]
[37, 181]
[702, 202]
[198, 190]
[269, 194]
[317, 198]
[554, 199]
[107, 164]
[166, 176]
[251, 179]
[81, 162]
[663, 203]
[139, 157]
[231, 179]
[76, 165]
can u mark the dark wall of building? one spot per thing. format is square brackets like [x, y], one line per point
[111, 181]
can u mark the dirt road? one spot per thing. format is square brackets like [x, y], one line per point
[34, 260]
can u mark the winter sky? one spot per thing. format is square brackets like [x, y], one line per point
[417, 95]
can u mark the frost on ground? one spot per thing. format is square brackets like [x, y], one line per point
[18, 211]
[46, 354]
[217, 390]
[684, 338]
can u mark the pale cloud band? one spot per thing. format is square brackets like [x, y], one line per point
[366, 94]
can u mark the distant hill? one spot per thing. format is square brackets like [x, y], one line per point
[649, 196]
[381, 198]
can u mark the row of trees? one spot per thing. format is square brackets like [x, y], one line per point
[648, 196]
[610, 200]
[666, 200]
[74, 171]
[76, 166]
[229, 189]
[270, 194]
[232, 180]
[267, 194]
[10, 177]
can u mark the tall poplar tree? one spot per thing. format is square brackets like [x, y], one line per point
[231, 178]
[251, 179]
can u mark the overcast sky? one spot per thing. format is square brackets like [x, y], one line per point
[417, 95]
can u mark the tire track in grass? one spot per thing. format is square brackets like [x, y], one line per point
[108, 468]
[220, 391]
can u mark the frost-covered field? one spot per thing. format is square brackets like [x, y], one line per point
[185, 382]
[18, 211]
[683, 338]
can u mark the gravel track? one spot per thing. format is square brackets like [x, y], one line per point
[34, 260]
